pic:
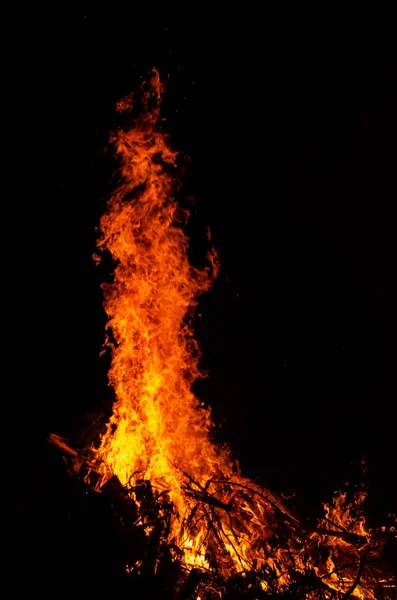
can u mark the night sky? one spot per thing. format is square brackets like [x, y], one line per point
[291, 130]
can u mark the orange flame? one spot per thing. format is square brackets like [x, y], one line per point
[159, 431]
[158, 428]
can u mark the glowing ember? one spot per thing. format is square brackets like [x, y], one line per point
[159, 431]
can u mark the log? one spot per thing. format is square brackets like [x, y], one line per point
[61, 443]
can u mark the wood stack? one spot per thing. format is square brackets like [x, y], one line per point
[155, 566]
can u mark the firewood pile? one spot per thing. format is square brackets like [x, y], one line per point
[325, 561]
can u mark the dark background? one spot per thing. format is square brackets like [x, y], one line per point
[290, 122]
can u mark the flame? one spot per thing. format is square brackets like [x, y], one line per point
[159, 430]
[347, 515]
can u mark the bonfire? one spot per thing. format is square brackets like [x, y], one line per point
[200, 526]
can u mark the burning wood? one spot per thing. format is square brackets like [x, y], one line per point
[326, 561]
[212, 531]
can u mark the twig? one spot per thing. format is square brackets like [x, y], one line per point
[207, 498]
[378, 582]
[357, 579]
[273, 501]
[335, 524]
[341, 534]
[92, 425]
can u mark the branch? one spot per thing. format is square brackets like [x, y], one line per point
[60, 443]
[357, 579]
[270, 498]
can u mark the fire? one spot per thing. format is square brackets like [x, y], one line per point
[348, 515]
[159, 431]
